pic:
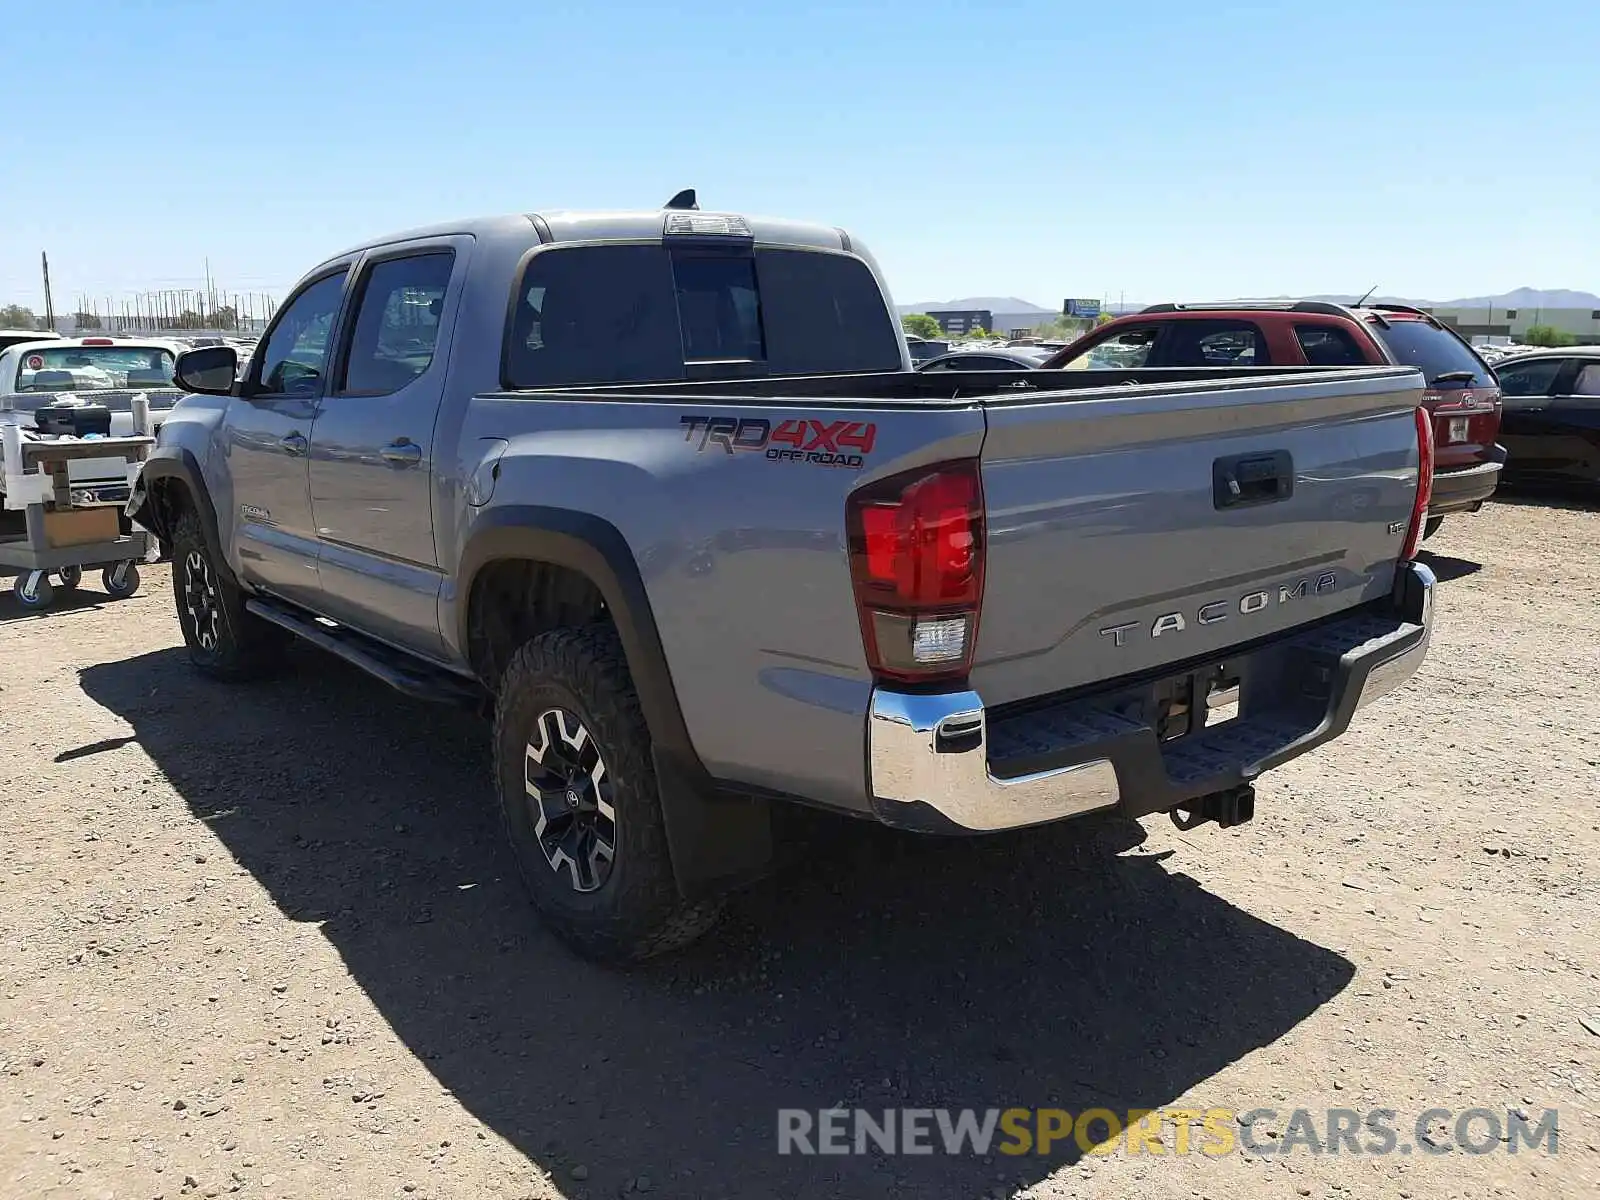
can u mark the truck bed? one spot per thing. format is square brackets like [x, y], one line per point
[918, 387]
[1109, 554]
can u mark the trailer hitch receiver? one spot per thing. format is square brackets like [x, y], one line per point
[1227, 808]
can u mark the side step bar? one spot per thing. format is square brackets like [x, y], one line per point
[400, 672]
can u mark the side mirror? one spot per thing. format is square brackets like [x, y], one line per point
[211, 370]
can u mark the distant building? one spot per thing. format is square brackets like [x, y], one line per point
[955, 322]
[1582, 323]
[1010, 322]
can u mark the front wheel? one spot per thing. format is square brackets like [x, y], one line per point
[224, 641]
[579, 799]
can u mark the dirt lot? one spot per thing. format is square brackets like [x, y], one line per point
[265, 941]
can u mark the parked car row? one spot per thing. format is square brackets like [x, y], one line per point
[1524, 417]
[1551, 426]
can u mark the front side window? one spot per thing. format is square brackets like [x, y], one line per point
[397, 323]
[294, 356]
[1533, 378]
[1588, 383]
[1129, 348]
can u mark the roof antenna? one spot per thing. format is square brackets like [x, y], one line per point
[684, 199]
[1365, 298]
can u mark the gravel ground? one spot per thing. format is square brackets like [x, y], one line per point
[265, 941]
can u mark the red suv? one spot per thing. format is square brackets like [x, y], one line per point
[1463, 394]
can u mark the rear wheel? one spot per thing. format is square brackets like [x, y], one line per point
[579, 798]
[1431, 527]
[224, 641]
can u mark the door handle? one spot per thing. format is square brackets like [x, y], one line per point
[402, 452]
[293, 443]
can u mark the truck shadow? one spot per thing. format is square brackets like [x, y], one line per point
[1447, 568]
[1060, 969]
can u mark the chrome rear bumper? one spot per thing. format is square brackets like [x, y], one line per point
[933, 750]
[931, 757]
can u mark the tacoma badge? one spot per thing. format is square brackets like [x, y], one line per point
[1219, 610]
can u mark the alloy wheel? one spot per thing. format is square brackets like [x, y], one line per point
[570, 800]
[201, 600]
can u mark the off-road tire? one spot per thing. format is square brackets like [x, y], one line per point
[637, 911]
[243, 646]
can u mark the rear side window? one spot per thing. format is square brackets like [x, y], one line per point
[1214, 344]
[1433, 350]
[1329, 346]
[640, 314]
[397, 323]
[824, 313]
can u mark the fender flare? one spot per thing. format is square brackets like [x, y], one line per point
[717, 838]
[178, 463]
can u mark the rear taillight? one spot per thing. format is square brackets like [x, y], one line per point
[916, 559]
[1419, 506]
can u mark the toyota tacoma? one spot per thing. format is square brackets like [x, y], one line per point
[661, 492]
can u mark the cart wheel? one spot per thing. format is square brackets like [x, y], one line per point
[120, 581]
[69, 577]
[33, 591]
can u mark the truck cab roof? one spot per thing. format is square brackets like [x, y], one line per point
[563, 225]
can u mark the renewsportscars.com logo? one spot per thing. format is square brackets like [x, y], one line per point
[1213, 1132]
[824, 443]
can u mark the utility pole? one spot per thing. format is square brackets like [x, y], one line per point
[49, 304]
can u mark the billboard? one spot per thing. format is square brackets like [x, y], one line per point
[1086, 310]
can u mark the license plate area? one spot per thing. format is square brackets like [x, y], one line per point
[1182, 705]
[1456, 430]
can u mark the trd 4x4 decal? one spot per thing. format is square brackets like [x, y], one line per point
[804, 440]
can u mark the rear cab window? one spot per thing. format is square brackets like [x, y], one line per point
[1435, 351]
[645, 313]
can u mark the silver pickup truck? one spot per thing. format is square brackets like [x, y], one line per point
[660, 491]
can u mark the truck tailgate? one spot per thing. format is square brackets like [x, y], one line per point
[1132, 528]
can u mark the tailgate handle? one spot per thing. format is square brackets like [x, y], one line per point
[1247, 479]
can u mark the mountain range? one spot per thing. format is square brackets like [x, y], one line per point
[1524, 297]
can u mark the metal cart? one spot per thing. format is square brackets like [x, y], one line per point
[62, 538]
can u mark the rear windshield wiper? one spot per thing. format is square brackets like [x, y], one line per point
[1456, 377]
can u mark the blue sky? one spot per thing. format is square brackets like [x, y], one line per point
[1167, 149]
